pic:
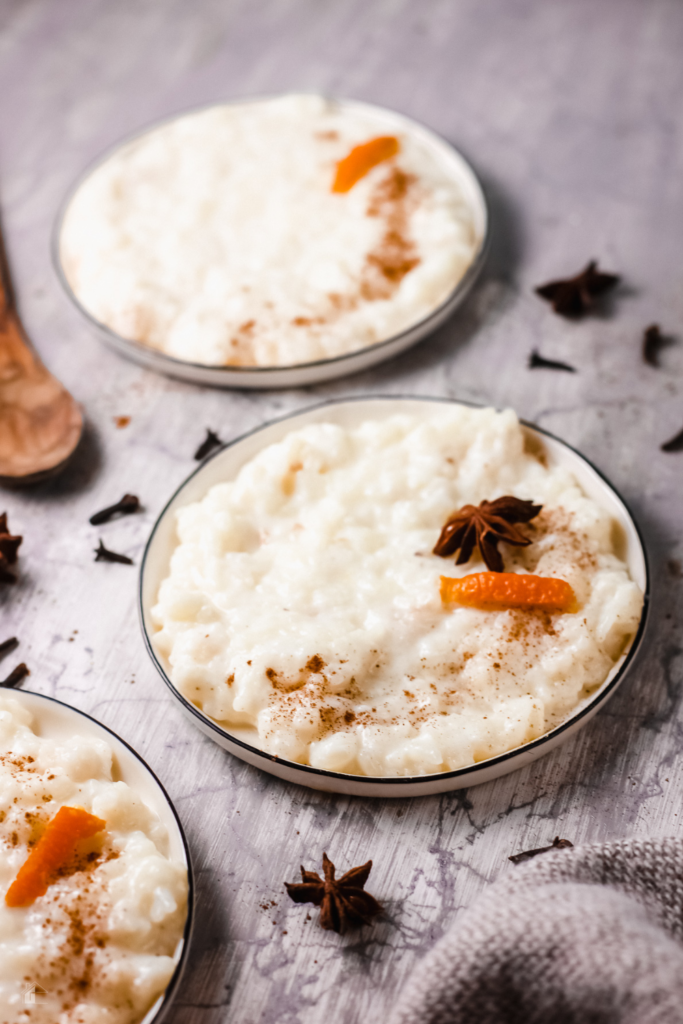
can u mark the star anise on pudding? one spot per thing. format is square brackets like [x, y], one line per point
[483, 526]
[9, 544]
[573, 296]
[342, 901]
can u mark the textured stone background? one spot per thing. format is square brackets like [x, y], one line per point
[570, 111]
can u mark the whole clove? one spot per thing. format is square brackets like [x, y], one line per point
[128, 504]
[9, 545]
[674, 444]
[7, 646]
[653, 343]
[16, 676]
[557, 844]
[539, 362]
[103, 554]
[210, 442]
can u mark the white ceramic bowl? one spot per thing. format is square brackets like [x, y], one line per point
[225, 463]
[325, 369]
[59, 721]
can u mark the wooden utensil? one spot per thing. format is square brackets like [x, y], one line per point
[40, 423]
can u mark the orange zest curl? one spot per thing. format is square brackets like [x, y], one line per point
[362, 159]
[53, 850]
[493, 591]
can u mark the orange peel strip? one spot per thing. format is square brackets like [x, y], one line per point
[362, 159]
[499, 590]
[55, 848]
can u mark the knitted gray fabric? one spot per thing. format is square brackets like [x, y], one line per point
[590, 935]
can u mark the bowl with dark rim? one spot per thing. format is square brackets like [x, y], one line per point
[300, 374]
[57, 720]
[226, 462]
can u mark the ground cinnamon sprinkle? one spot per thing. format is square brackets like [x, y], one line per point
[340, 303]
[394, 256]
[76, 918]
[523, 632]
[396, 253]
[306, 321]
[289, 684]
[77, 922]
[385, 266]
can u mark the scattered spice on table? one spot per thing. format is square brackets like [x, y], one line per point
[16, 676]
[211, 441]
[9, 544]
[7, 646]
[128, 504]
[121, 421]
[557, 844]
[342, 901]
[674, 444]
[103, 554]
[574, 296]
[653, 343]
[539, 362]
[483, 526]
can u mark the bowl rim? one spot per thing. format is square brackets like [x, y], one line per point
[182, 367]
[164, 1001]
[536, 745]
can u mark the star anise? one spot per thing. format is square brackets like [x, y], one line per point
[342, 901]
[9, 544]
[573, 296]
[485, 525]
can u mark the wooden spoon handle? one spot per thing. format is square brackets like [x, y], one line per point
[6, 291]
[16, 355]
[40, 424]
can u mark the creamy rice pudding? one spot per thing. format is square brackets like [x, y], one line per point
[98, 946]
[219, 238]
[304, 599]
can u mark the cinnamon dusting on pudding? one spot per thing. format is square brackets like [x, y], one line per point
[76, 924]
[393, 200]
[286, 684]
[307, 321]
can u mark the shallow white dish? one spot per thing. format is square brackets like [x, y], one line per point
[57, 720]
[224, 465]
[301, 374]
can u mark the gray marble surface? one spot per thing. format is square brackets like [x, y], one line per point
[570, 111]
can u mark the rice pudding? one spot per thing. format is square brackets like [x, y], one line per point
[99, 945]
[303, 597]
[222, 237]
